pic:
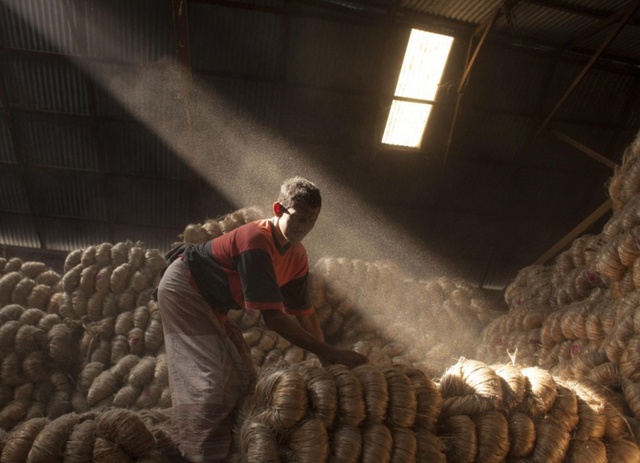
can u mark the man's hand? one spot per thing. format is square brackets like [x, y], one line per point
[346, 357]
[293, 332]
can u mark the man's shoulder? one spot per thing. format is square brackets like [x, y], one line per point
[256, 233]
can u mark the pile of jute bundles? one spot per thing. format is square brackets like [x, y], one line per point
[77, 347]
[112, 404]
[64, 362]
[578, 317]
[372, 306]
[385, 413]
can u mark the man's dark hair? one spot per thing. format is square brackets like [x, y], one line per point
[298, 190]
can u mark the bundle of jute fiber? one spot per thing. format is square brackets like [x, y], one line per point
[32, 284]
[104, 280]
[371, 413]
[307, 442]
[321, 390]
[268, 348]
[134, 383]
[109, 436]
[280, 399]
[469, 387]
[530, 288]
[380, 351]
[443, 323]
[255, 441]
[512, 334]
[540, 418]
[212, 228]
[245, 318]
[624, 183]
[348, 293]
[109, 339]
[37, 365]
[569, 337]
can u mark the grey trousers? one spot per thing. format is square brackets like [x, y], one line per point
[210, 367]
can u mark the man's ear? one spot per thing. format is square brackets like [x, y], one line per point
[277, 209]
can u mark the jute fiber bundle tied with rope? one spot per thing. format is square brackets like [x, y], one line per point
[16, 410]
[127, 430]
[622, 450]
[19, 441]
[257, 443]
[469, 387]
[49, 444]
[430, 447]
[428, 396]
[492, 430]
[376, 391]
[552, 440]
[631, 391]
[565, 408]
[7, 284]
[403, 402]
[212, 228]
[307, 442]
[105, 385]
[458, 433]
[377, 443]
[522, 434]
[514, 385]
[346, 444]
[85, 379]
[322, 391]
[280, 399]
[81, 440]
[590, 450]
[351, 403]
[405, 445]
[541, 388]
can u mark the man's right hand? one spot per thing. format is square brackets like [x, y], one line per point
[347, 357]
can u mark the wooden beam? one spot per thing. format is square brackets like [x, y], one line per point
[573, 234]
[485, 27]
[632, 6]
[183, 54]
[585, 149]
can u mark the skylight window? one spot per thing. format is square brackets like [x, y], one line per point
[422, 68]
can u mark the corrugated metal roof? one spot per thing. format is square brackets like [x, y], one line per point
[625, 45]
[85, 147]
[41, 25]
[64, 235]
[460, 10]
[19, 230]
[338, 55]
[7, 153]
[539, 23]
[600, 97]
[56, 141]
[491, 85]
[42, 84]
[145, 201]
[133, 149]
[59, 195]
[13, 196]
[236, 41]
[134, 31]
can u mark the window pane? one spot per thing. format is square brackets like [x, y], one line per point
[423, 65]
[406, 123]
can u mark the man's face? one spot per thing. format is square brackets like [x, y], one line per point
[297, 221]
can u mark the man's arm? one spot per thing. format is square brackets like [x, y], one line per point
[312, 325]
[279, 322]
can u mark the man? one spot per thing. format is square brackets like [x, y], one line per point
[261, 265]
